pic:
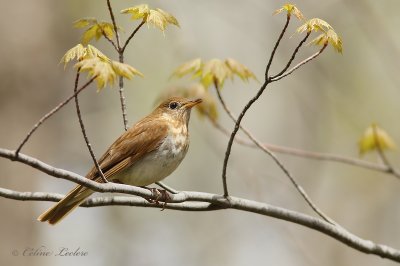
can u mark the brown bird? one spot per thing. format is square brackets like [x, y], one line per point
[146, 153]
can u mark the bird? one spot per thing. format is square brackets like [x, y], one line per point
[146, 153]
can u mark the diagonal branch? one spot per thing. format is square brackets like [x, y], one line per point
[293, 55]
[311, 154]
[132, 35]
[110, 10]
[276, 160]
[89, 146]
[52, 112]
[305, 61]
[276, 46]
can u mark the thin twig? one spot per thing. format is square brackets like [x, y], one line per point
[52, 112]
[276, 78]
[247, 106]
[276, 160]
[310, 154]
[276, 46]
[380, 150]
[192, 201]
[293, 55]
[131, 36]
[78, 112]
[109, 40]
[114, 24]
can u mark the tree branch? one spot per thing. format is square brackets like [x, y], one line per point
[132, 34]
[311, 154]
[293, 55]
[52, 112]
[276, 160]
[305, 61]
[211, 202]
[89, 146]
[114, 24]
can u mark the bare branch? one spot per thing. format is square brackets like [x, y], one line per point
[276, 47]
[293, 55]
[52, 112]
[276, 160]
[122, 96]
[131, 36]
[89, 146]
[114, 24]
[311, 154]
[209, 202]
[305, 61]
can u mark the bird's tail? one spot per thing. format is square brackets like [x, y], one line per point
[72, 200]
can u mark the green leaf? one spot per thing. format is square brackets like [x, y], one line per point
[375, 138]
[89, 34]
[125, 70]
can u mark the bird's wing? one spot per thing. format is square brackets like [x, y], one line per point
[133, 145]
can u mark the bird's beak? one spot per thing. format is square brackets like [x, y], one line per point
[190, 104]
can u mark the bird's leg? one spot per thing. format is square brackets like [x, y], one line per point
[160, 194]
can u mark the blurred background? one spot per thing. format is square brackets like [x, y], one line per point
[325, 106]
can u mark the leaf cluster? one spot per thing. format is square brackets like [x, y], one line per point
[375, 138]
[155, 17]
[214, 71]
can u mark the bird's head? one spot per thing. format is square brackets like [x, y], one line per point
[177, 108]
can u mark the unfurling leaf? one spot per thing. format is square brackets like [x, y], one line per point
[80, 52]
[192, 66]
[96, 29]
[125, 70]
[99, 68]
[138, 12]
[241, 70]
[375, 138]
[156, 17]
[314, 24]
[214, 71]
[329, 37]
[208, 108]
[290, 9]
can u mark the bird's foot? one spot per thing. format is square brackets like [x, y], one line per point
[158, 195]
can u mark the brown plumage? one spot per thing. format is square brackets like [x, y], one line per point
[146, 153]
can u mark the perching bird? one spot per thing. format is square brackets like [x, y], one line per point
[146, 153]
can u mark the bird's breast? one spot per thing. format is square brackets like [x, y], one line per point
[161, 162]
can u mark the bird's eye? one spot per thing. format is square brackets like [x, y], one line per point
[173, 105]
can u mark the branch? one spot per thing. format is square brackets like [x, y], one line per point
[114, 24]
[52, 112]
[305, 61]
[215, 202]
[311, 154]
[276, 160]
[131, 36]
[293, 55]
[109, 40]
[276, 46]
[89, 146]
[122, 96]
